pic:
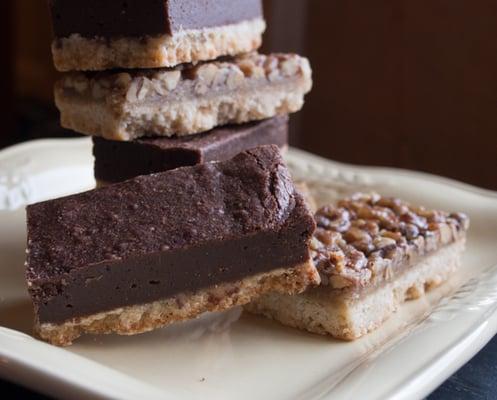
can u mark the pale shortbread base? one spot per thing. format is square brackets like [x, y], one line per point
[181, 117]
[321, 310]
[77, 53]
[145, 317]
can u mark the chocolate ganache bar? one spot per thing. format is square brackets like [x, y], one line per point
[184, 100]
[105, 34]
[372, 254]
[143, 253]
[117, 161]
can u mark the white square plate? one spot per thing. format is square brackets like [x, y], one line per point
[230, 355]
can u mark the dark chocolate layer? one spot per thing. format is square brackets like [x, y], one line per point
[111, 18]
[158, 235]
[116, 161]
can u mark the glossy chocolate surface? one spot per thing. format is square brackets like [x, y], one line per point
[111, 18]
[116, 161]
[158, 235]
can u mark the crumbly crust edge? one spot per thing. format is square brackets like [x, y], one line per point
[137, 319]
[77, 53]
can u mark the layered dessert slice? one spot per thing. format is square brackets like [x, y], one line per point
[372, 253]
[98, 35]
[117, 161]
[184, 100]
[166, 247]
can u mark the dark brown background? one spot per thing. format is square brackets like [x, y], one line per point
[406, 83]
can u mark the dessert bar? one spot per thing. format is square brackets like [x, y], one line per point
[184, 100]
[117, 161]
[143, 253]
[372, 254]
[105, 34]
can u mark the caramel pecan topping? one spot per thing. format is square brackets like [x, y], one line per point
[224, 73]
[364, 239]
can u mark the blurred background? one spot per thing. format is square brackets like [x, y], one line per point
[403, 83]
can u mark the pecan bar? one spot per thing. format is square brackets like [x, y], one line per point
[372, 254]
[94, 35]
[185, 100]
[117, 161]
[166, 247]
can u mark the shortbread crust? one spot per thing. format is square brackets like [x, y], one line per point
[323, 311]
[141, 318]
[78, 53]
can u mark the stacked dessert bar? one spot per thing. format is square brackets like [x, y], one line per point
[372, 254]
[195, 209]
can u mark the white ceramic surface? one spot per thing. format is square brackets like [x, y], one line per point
[230, 355]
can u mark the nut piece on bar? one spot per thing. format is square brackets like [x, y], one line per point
[372, 253]
[166, 247]
[117, 161]
[185, 100]
[94, 35]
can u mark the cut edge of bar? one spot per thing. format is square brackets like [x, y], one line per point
[95, 118]
[142, 318]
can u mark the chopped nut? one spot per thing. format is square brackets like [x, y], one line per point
[392, 235]
[356, 234]
[250, 69]
[221, 77]
[290, 66]
[123, 79]
[365, 246]
[381, 242]
[411, 231]
[207, 73]
[138, 89]
[325, 236]
[235, 78]
[171, 79]
[315, 244]
[270, 64]
[143, 89]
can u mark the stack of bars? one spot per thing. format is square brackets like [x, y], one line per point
[195, 210]
[194, 88]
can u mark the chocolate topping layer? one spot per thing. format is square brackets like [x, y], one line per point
[162, 234]
[111, 18]
[117, 161]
